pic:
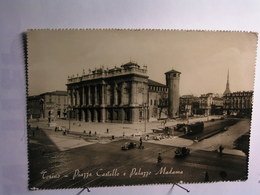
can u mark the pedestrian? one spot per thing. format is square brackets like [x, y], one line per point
[141, 143]
[107, 130]
[206, 179]
[221, 148]
[159, 158]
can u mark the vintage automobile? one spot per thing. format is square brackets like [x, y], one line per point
[159, 130]
[60, 128]
[180, 127]
[128, 146]
[182, 152]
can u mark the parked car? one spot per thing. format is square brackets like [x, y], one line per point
[159, 130]
[182, 152]
[180, 127]
[158, 137]
[137, 134]
[128, 146]
[60, 128]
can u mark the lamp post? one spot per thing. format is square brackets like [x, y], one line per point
[42, 108]
[69, 109]
[187, 113]
[145, 116]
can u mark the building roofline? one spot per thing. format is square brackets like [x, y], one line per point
[155, 83]
[172, 71]
[57, 92]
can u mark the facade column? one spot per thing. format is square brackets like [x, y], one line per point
[89, 95]
[73, 97]
[102, 94]
[69, 97]
[103, 115]
[96, 98]
[95, 112]
[77, 114]
[122, 93]
[83, 115]
[88, 115]
[83, 96]
[122, 115]
[77, 97]
[133, 93]
[115, 94]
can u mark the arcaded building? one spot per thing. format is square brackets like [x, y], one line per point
[122, 94]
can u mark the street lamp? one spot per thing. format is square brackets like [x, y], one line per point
[69, 109]
[145, 116]
[42, 108]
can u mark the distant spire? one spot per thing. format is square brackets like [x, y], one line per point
[227, 85]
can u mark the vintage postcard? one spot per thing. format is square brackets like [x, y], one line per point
[136, 107]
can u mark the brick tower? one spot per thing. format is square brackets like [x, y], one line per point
[172, 82]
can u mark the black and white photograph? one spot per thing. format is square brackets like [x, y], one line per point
[117, 107]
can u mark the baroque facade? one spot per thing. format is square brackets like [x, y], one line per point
[121, 94]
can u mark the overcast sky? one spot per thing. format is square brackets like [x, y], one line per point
[203, 58]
